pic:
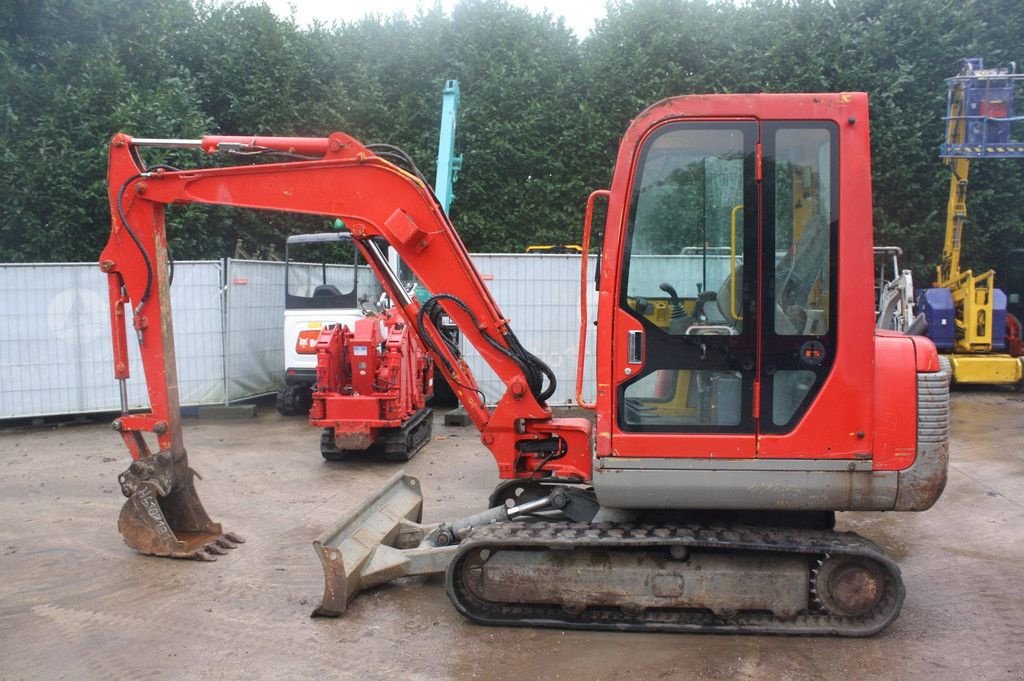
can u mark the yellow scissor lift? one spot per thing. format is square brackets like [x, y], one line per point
[966, 313]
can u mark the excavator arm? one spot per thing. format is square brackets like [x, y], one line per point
[163, 515]
[339, 178]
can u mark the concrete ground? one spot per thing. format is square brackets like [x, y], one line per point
[76, 603]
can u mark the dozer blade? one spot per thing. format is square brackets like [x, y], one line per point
[378, 541]
[175, 525]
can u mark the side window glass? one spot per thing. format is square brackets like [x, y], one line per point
[803, 167]
[684, 397]
[789, 388]
[687, 231]
[800, 186]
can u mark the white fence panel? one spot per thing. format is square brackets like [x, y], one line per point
[55, 347]
[254, 354]
[540, 294]
[197, 305]
[55, 355]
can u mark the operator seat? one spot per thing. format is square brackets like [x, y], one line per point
[325, 290]
[796, 274]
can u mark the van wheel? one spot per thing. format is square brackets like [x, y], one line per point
[293, 400]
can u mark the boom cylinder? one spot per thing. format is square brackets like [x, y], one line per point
[211, 144]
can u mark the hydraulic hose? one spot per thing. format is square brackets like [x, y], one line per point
[534, 369]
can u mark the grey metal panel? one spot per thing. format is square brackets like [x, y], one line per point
[198, 330]
[254, 355]
[746, 489]
[922, 483]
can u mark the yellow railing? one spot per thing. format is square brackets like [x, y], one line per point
[732, 266]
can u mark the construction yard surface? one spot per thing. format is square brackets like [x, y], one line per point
[76, 603]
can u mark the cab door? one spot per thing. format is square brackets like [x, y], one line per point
[799, 262]
[686, 330]
[725, 325]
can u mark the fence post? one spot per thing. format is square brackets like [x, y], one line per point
[225, 326]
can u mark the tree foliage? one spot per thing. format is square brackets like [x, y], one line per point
[542, 111]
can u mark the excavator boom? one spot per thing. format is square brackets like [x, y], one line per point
[410, 220]
[164, 515]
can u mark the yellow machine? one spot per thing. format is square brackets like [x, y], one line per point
[966, 314]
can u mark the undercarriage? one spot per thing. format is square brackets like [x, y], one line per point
[551, 560]
[674, 577]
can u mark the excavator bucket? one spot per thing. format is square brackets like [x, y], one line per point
[174, 525]
[379, 540]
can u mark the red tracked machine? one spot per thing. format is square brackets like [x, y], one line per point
[743, 393]
[372, 385]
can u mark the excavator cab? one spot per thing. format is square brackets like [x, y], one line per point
[748, 277]
[738, 363]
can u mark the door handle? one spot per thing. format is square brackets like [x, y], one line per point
[635, 347]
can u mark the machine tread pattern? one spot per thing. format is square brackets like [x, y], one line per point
[817, 545]
[403, 443]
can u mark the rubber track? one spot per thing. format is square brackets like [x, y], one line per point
[403, 443]
[815, 544]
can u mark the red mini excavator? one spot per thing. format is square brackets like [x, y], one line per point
[743, 393]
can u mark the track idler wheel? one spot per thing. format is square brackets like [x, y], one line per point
[849, 586]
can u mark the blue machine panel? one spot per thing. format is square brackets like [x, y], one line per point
[937, 306]
[998, 319]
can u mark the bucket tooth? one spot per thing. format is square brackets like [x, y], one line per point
[376, 542]
[225, 543]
